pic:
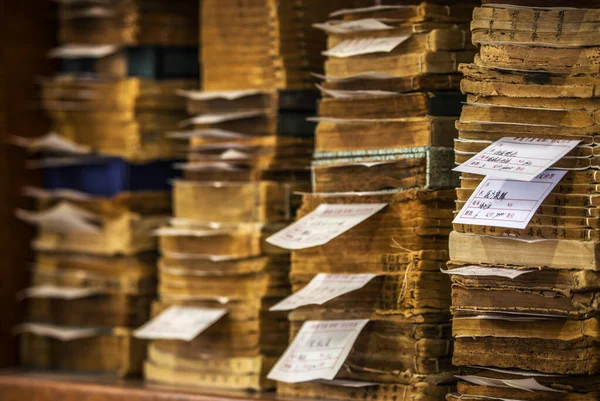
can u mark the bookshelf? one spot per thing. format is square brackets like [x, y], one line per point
[20, 385]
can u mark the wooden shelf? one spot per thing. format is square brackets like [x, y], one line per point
[28, 386]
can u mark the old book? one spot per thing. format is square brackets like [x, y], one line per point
[113, 351]
[392, 349]
[407, 293]
[555, 253]
[263, 44]
[346, 135]
[436, 82]
[568, 293]
[126, 235]
[244, 202]
[421, 391]
[128, 275]
[424, 168]
[237, 373]
[556, 346]
[129, 22]
[580, 60]
[392, 106]
[553, 27]
[490, 385]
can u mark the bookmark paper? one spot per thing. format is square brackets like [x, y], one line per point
[520, 159]
[323, 224]
[179, 323]
[483, 271]
[323, 288]
[357, 47]
[318, 351]
[507, 203]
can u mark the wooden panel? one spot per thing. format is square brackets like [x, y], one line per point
[43, 387]
[26, 34]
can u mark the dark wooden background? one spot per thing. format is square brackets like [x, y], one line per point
[27, 32]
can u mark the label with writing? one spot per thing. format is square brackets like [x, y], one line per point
[507, 203]
[179, 323]
[61, 333]
[318, 351]
[357, 47]
[323, 224]
[323, 288]
[521, 159]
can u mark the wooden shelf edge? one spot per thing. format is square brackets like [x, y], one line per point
[22, 385]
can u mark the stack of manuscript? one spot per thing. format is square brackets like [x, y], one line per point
[128, 22]
[264, 44]
[249, 148]
[248, 152]
[391, 97]
[524, 296]
[106, 171]
[93, 279]
[383, 142]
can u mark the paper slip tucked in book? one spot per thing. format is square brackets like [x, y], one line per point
[211, 95]
[60, 333]
[507, 203]
[323, 224]
[179, 323]
[347, 383]
[487, 271]
[361, 25]
[354, 94]
[520, 159]
[63, 218]
[82, 51]
[318, 351]
[323, 288]
[357, 47]
[56, 292]
[216, 118]
[523, 384]
[51, 142]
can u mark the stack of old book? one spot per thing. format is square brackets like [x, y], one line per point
[106, 171]
[384, 137]
[249, 148]
[524, 299]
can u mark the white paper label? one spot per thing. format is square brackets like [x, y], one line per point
[323, 224]
[483, 271]
[56, 292]
[179, 323]
[318, 351]
[521, 159]
[361, 25]
[507, 203]
[323, 288]
[357, 47]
